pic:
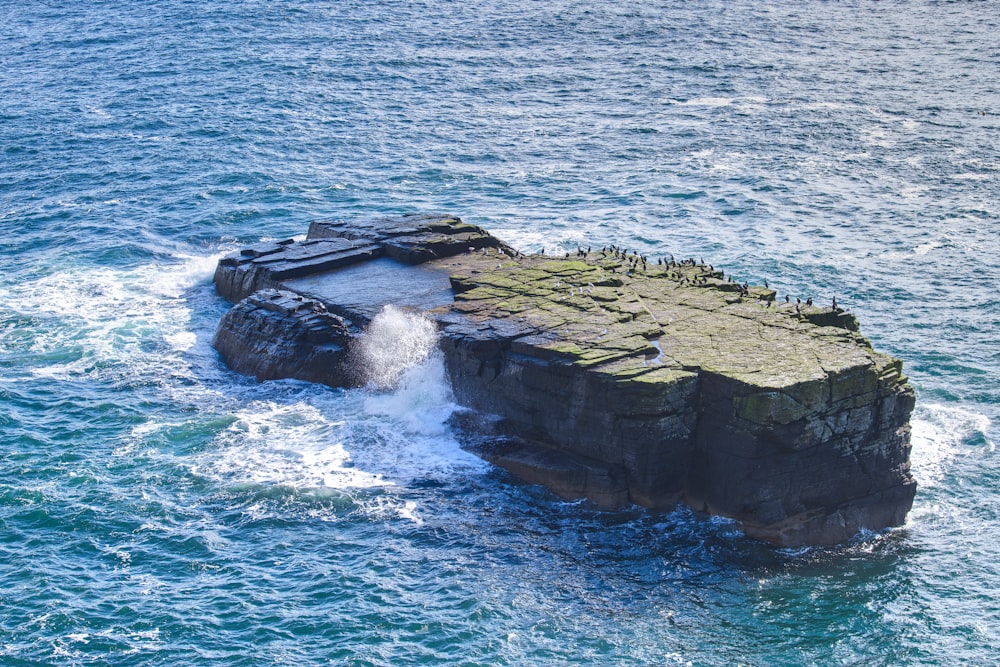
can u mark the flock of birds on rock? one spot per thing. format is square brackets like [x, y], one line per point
[632, 261]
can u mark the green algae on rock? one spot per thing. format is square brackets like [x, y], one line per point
[606, 377]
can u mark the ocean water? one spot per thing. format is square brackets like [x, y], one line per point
[156, 508]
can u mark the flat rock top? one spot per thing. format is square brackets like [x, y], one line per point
[594, 310]
[605, 310]
[362, 289]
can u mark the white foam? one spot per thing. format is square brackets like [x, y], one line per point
[912, 191]
[97, 316]
[387, 438]
[412, 426]
[876, 136]
[292, 445]
[972, 176]
[151, 326]
[938, 436]
[833, 106]
[410, 422]
[394, 342]
[177, 279]
[421, 401]
[181, 341]
[925, 248]
[385, 507]
[728, 163]
[532, 241]
[709, 101]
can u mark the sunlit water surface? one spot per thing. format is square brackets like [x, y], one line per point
[156, 508]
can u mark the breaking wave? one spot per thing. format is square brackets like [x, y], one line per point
[940, 432]
[395, 341]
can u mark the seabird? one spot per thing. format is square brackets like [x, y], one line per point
[786, 298]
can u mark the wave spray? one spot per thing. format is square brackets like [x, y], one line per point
[395, 341]
[412, 402]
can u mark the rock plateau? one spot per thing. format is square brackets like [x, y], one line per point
[602, 376]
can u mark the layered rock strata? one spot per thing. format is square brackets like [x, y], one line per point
[602, 376]
[274, 334]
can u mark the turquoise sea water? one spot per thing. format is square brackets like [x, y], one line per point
[156, 508]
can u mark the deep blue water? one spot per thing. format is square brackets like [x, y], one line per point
[156, 508]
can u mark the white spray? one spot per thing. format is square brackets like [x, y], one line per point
[402, 361]
[396, 341]
[392, 434]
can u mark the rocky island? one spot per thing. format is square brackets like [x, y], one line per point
[603, 374]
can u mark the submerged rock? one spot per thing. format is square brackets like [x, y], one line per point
[605, 377]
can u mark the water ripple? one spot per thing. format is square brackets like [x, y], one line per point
[157, 508]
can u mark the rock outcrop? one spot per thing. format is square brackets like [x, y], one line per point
[604, 376]
[274, 334]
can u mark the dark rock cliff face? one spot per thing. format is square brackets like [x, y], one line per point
[602, 376]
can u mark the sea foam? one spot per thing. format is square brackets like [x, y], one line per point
[390, 433]
[940, 432]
